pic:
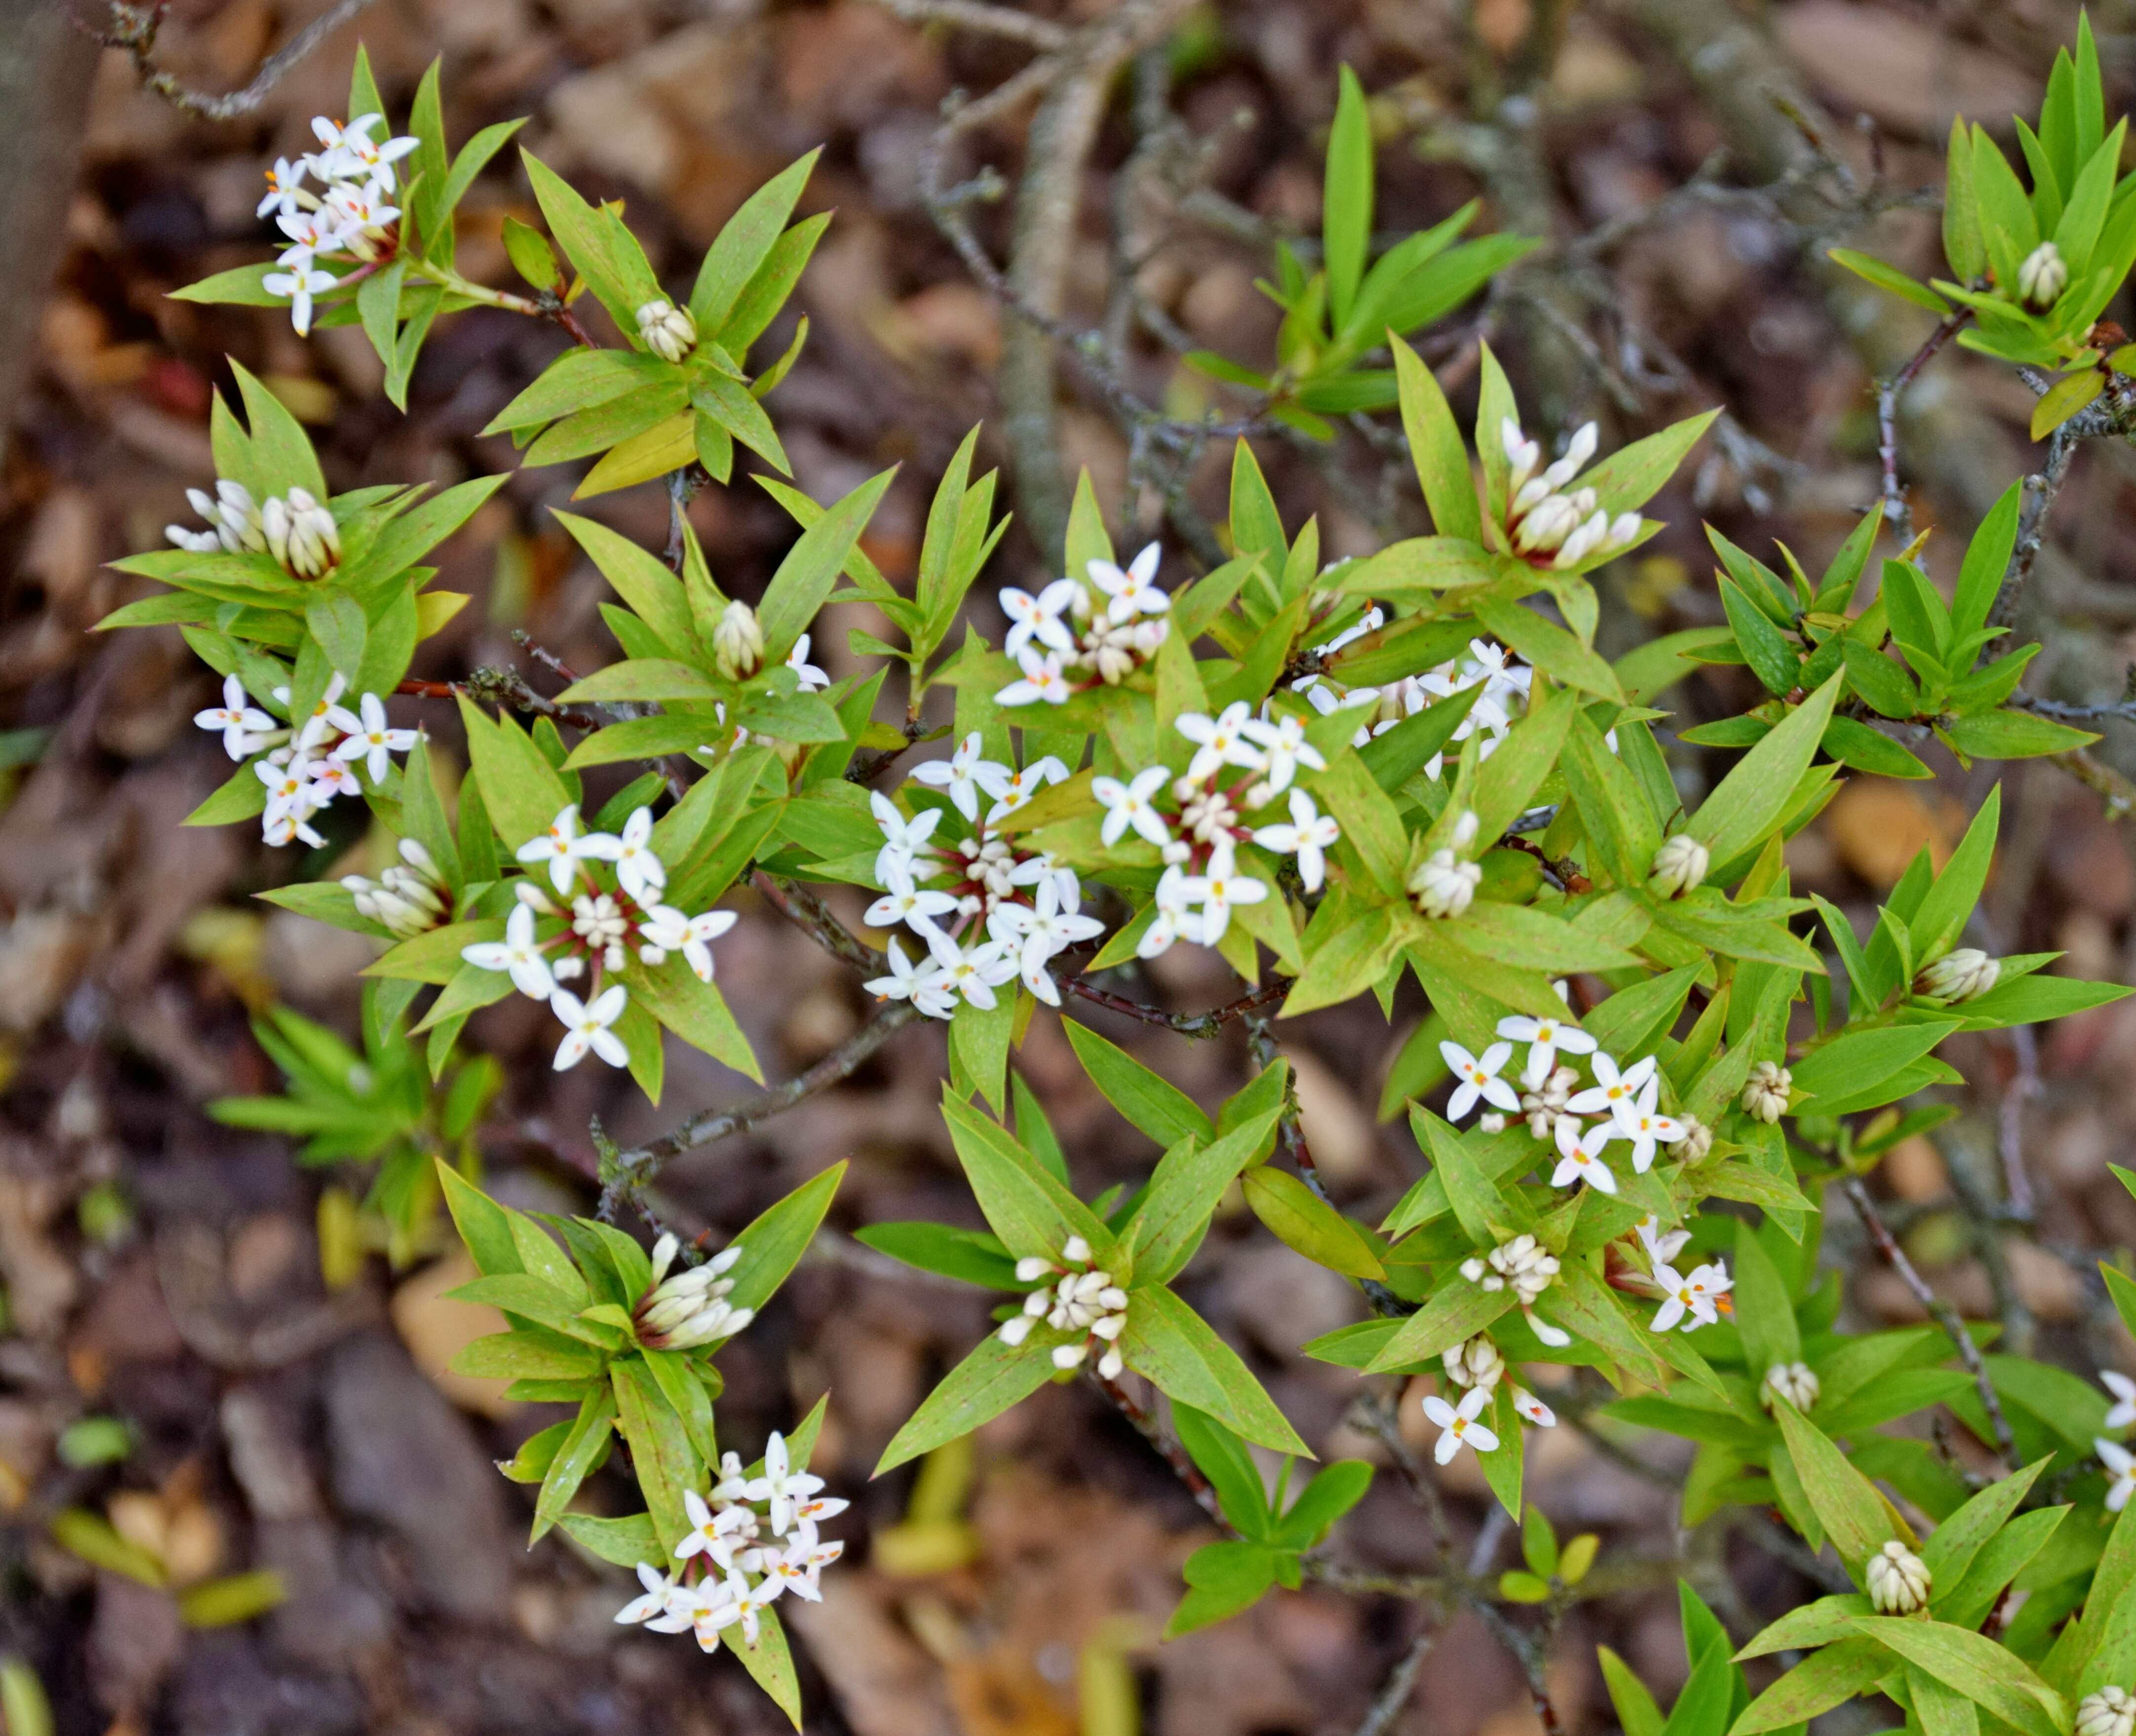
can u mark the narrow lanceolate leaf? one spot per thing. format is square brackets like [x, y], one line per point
[1753, 797]
[1183, 1192]
[1459, 1310]
[979, 1388]
[1435, 448]
[1992, 1676]
[1854, 1515]
[1173, 1347]
[1825, 1680]
[1032, 1212]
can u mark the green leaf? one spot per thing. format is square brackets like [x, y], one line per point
[2008, 734]
[1823, 1622]
[770, 1663]
[1371, 825]
[1950, 1550]
[1346, 220]
[1151, 1103]
[1824, 1680]
[1632, 475]
[1222, 1579]
[1765, 1312]
[1888, 277]
[1756, 794]
[1306, 1224]
[1435, 449]
[1033, 1214]
[1183, 1191]
[1853, 1514]
[1458, 1311]
[971, 1255]
[807, 575]
[582, 1449]
[662, 1457]
[1941, 1710]
[625, 1542]
[773, 1243]
[521, 789]
[1771, 658]
[1549, 647]
[1223, 1458]
[1636, 1710]
[1172, 1346]
[744, 245]
[978, 1389]
[1990, 1675]
[2065, 398]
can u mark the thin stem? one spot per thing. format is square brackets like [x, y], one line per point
[1896, 511]
[133, 29]
[1187, 1024]
[993, 21]
[1167, 1447]
[2039, 493]
[1395, 1692]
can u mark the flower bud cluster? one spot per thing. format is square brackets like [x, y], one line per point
[1899, 1581]
[2042, 277]
[1523, 1265]
[1475, 1362]
[691, 1308]
[2110, 1712]
[1544, 524]
[1963, 974]
[1442, 884]
[669, 331]
[738, 642]
[408, 898]
[295, 528]
[1765, 1095]
[1796, 1382]
[1078, 1297]
[350, 217]
[1679, 866]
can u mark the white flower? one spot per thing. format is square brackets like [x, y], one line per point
[1309, 836]
[300, 284]
[369, 740]
[359, 211]
[638, 870]
[1132, 591]
[2121, 1469]
[668, 331]
[1581, 1155]
[904, 902]
[670, 931]
[1899, 1580]
[1288, 749]
[1765, 1096]
[738, 642]
[1963, 974]
[1039, 617]
[1613, 1093]
[1219, 888]
[1444, 885]
[1219, 741]
[1796, 1382]
[974, 973]
[1678, 865]
[811, 678]
[240, 724]
[1645, 1127]
[2123, 1412]
[2111, 1711]
[1046, 930]
[1546, 1040]
[780, 1486]
[902, 838]
[1128, 805]
[1694, 1296]
[1012, 790]
[563, 847]
[1174, 918]
[518, 953]
[1533, 1409]
[1459, 1429]
[958, 775]
[924, 985]
[285, 193]
[351, 151]
[301, 533]
[1044, 680]
[587, 1027]
[665, 1607]
[1479, 1078]
[1662, 1249]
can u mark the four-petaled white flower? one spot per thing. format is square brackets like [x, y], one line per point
[671, 931]
[781, 1487]
[665, 1607]
[518, 953]
[638, 870]
[1173, 919]
[903, 839]
[1694, 1296]
[1131, 590]
[586, 1027]
[1307, 836]
[1580, 1155]
[2123, 1411]
[907, 902]
[1546, 1040]
[1614, 1092]
[1219, 888]
[1126, 805]
[350, 149]
[241, 725]
[958, 775]
[1646, 1126]
[1045, 929]
[301, 282]
[974, 973]
[1458, 1426]
[1011, 790]
[1288, 749]
[563, 846]
[923, 984]
[1662, 1248]
[1038, 617]
[2121, 1468]
[812, 680]
[1044, 679]
[1219, 741]
[369, 740]
[1479, 1078]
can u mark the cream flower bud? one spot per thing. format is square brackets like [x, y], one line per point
[1766, 1097]
[1796, 1382]
[1960, 975]
[1697, 1138]
[1679, 866]
[669, 331]
[1899, 1582]
[2042, 277]
[1444, 885]
[2110, 1712]
[1543, 530]
[738, 642]
[1476, 1362]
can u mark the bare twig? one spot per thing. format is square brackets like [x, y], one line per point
[800, 906]
[1187, 1024]
[1167, 1447]
[993, 21]
[1387, 1705]
[2040, 492]
[133, 29]
[1897, 513]
[1944, 1314]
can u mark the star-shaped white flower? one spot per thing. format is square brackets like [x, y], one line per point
[905, 902]
[1646, 1127]
[1038, 617]
[1128, 805]
[665, 1607]
[903, 839]
[1218, 741]
[672, 932]
[2123, 1389]
[1044, 679]
[781, 1486]
[974, 973]
[240, 722]
[350, 150]
[518, 953]
[1011, 790]
[1132, 590]
[369, 740]
[923, 984]
[638, 870]
[1614, 1092]
[1479, 1078]
[563, 847]
[2121, 1468]
[1458, 1427]
[284, 185]
[1219, 890]
[301, 282]
[812, 680]
[1309, 836]
[1174, 916]
[1288, 749]
[958, 775]
[1046, 930]
[1690, 1299]
[586, 1027]
[1546, 1040]
[1580, 1155]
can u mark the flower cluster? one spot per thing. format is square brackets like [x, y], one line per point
[1796, 1382]
[1545, 526]
[410, 897]
[1899, 1581]
[1505, 681]
[1624, 1100]
[597, 920]
[1065, 640]
[348, 217]
[730, 1571]
[1477, 1364]
[1076, 1296]
[304, 769]
[987, 910]
[295, 528]
[1527, 1268]
[691, 1308]
[1443, 884]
